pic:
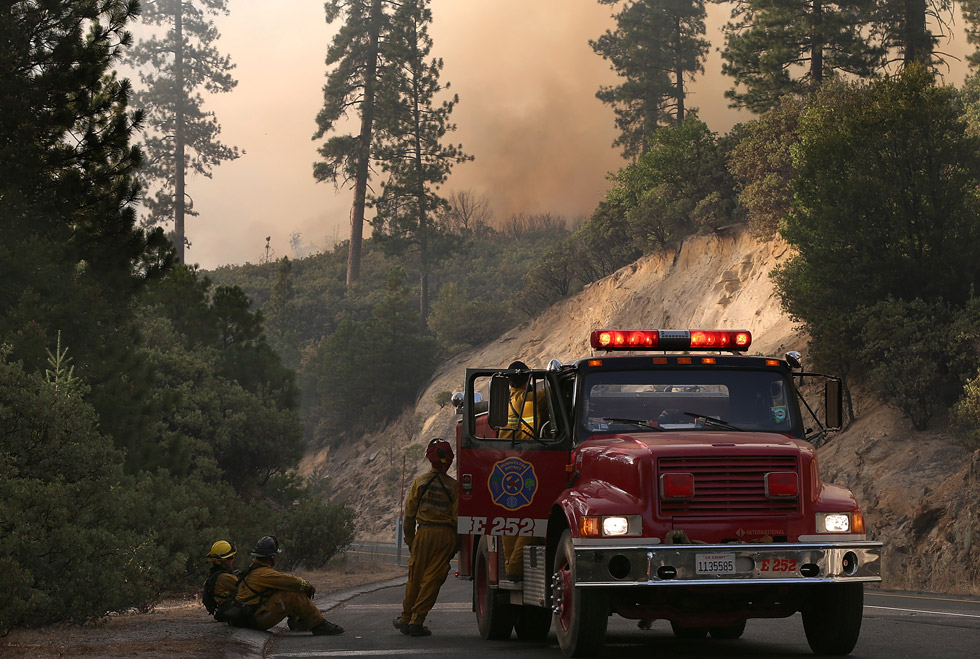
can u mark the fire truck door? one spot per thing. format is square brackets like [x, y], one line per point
[509, 479]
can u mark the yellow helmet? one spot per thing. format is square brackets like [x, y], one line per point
[221, 550]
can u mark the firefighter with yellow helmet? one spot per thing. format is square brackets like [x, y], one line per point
[525, 409]
[222, 580]
[269, 595]
[432, 505]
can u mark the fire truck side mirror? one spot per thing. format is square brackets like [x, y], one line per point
[834, 404]
[499, 401]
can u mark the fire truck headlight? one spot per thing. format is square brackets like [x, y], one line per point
[833, 522]
[615, 525]
[610, 526]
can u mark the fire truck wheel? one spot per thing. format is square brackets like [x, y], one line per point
[728, 632]
[581, 614]
[832, 618]
[688, 633]
[532, 623]
[494, 614]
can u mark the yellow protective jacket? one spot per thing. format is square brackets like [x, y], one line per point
[520, 415]
[224, 586]
[432, 501]
[259, 584]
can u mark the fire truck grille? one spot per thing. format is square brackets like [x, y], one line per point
[728, 485]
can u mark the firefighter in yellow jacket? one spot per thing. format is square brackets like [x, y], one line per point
[276, 595]
[222, 580]
[433, 505]
[526, 409]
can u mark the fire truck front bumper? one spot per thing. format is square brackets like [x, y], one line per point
[727, 564]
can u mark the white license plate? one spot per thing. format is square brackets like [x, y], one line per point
[715, 563]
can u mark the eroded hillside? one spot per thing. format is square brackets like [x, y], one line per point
[919, 490]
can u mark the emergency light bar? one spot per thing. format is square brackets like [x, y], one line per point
[736, 340]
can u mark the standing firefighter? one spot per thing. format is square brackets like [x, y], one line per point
[432, 503]
[268, 595]
[222, 580]
[526, 408]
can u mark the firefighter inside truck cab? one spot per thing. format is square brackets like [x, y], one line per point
[526, 409]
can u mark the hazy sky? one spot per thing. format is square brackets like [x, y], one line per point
[526, 79]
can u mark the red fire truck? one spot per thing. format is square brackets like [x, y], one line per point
[676, 481]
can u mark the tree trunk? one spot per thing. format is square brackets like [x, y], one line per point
[917, 45]
[678, 72]
[364, 157]
[816, 47]
[179, 135]
[423, 212]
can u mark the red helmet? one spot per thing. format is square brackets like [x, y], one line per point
[439, 453]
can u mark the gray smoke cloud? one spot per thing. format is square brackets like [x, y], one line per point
[526, 78]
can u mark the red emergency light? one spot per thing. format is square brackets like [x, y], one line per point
[737, 340]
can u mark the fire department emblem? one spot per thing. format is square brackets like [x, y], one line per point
[512, 483]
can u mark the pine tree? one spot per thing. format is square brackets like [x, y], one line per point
[778, 47]
[72, 257]
[174, 68]
[281, 317]
[657, 46]
[907, 26]
[410, 147]
[351, 86]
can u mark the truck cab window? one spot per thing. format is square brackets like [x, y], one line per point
[687, 399]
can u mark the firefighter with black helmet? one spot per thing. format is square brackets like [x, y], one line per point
[432, 506]
[270, 595]
[222, 580]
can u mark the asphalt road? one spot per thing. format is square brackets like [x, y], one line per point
[896, 625]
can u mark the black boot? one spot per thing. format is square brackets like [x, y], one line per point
[327, 629]
[295, 625]
[418, 630]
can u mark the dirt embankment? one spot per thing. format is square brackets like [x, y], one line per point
[918, 490]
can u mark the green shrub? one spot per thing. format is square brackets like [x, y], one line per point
[68, 552]
[910, 358]
[313, 531]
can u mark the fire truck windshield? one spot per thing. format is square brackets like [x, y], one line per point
[689, 399]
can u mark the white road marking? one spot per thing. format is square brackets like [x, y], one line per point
[448, 606]
[364, 653]
[933, 613]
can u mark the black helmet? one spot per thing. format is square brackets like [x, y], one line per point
[267, 547]
[518, 380]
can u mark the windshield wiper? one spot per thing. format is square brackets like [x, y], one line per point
[633, 422]
[716, 423]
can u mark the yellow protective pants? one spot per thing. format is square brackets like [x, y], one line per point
[428, 566]
[514, 552]
[291, 604]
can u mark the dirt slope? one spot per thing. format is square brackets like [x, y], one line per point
[919, 491]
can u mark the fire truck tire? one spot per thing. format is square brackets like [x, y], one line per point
[688, 633]
[728, 632]
[494, 613]
[832, 618]
[532, 623]
[581, 614]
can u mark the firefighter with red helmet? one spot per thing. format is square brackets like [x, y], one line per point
[269, 595]
[432, 505]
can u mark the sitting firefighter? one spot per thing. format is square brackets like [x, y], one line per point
[268, 595]
[522, 424]
[433, 505]
[222, 580]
